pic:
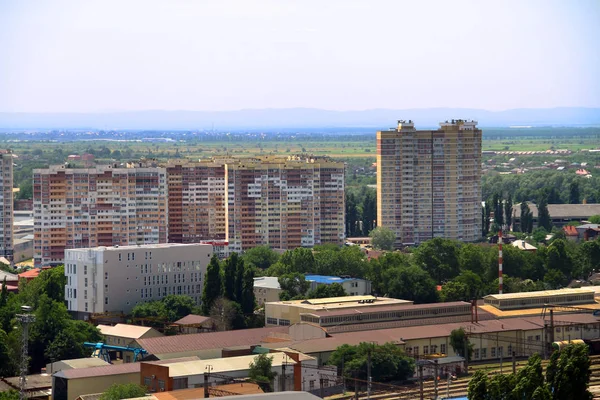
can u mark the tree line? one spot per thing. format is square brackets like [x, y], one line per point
[464, 270]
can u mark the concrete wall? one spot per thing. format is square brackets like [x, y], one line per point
[98, 384]
[264, 295]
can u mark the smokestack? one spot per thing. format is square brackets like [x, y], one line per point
[500, 261]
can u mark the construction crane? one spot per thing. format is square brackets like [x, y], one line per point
[25, 319]
[101, 350]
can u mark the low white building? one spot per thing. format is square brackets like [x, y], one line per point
[266, 289]
[115, 279]
[352, 286]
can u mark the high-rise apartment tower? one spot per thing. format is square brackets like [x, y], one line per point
[6, 204]
[101, 206]
[429, 182]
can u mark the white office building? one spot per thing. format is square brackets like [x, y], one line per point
[115, 279]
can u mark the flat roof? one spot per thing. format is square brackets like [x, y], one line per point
[541, 293]
[341, 302]
[124, 330]
[113, 369]
[268, 282]
[329, 279]
[85, 362]
[142, 246]
[563, 211]
[382, 308]
[535, 311]
[223, 365]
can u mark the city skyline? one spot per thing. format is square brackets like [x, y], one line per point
[105, 56]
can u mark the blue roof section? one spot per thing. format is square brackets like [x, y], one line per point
[326, 279]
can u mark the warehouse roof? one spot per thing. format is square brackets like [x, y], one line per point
[209, 340]
[563, 211]
[329, 279]
[375, 308]
[541, 293]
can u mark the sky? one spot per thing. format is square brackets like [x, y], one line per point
[117, 55]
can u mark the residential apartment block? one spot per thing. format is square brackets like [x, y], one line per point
[197, 209]
[6, 204]
[101, 206]
[428, 182]
[115, 279]
[284, 202]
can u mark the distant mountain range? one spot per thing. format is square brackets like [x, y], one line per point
[286, 118]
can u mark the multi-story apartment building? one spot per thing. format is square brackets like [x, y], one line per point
[196, 201]
[284, 202]
[101, 206]
[115, 279]
[6, 204]
[428, 181]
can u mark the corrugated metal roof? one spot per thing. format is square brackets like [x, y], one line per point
[268, 282]
[541, 293]
[114, 369]
[344, 299]
[224, 365]
[85, 362]
[523, 245]
[208, 340]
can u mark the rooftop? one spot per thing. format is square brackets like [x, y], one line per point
[8, 276]
[268, 282]
[192, 319]
[143, 246]
[113, 369]
[541, 293]
[207, 341]
[523, 245]
[124, 330]
[384, 307]
[342, 302]
[329, 279]
[85, 362]
[224, 365]
[563, 211]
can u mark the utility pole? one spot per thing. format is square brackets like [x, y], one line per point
[466, 344]
[283, 376]
[514, 362]
[343, 377]
[421, 381]
[369, 374]
[435, 378]
[25, 319]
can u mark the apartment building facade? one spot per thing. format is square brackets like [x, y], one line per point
[429, 181]
[6, 204]
[284, 202]
[197, 207]
[100, 206]
[115, 279]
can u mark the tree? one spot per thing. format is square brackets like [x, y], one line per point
[226, 314]
[120, 391]
[488, 214]
[454, 291]
[568, 373]
[229, 275]
[544, 220]
[261, 371]
[529, 379]
[369, 211]
[478, 386]
[388, 361]
[472, 257]
[10, 395]
[299, 260]
[460, 342]
[439, 257]
[352, 216]
[324, 291]
[4, 294]
[500, 386]
[247, 300]
[410, 283]
[595, 219]
[7, 365]
[383, 238]
[574, 194]
[293, 285]
[508, 212]
[260, 256]
[178, 306]
[498, 210]
[212, 285]
[526, 218]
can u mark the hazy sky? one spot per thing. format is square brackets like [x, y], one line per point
[99, 55]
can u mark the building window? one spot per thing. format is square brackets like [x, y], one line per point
[484, 353]
[271, 321]
[476, 354]
[106, 300]
[284, 322]
[106, 275]
[161, 385]
[85, 282]
[443, 348]
[85, 269]
[120, 258]
[147, 381]
[493, 352]
[425, 350]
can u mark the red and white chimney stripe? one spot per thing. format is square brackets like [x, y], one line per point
[500, 261]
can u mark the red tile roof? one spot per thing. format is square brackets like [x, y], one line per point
[207, 341]
[30, 274]
[570, 230]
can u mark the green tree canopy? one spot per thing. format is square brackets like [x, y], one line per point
[324, 291]
[212, 284]
[293, 285]
[382, 238]
[439, 257]
[261, 371]
[120, 391]
[460, 343]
